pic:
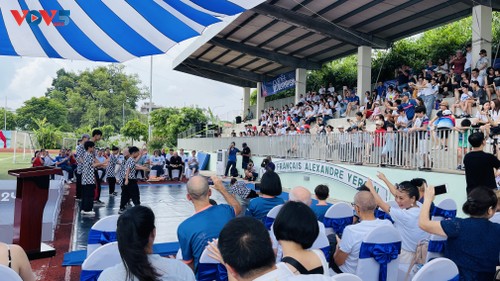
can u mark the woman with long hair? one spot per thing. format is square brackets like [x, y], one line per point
[135, 234]
[472, 243]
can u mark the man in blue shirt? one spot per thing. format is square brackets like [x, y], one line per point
[381, 90]
[205, 225]
[408, 105]
[62, 161]
[352, 103]
[231, 159]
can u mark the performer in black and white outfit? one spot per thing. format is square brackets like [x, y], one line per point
[110, 170]
[80, 151]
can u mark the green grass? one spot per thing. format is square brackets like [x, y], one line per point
[6, 163]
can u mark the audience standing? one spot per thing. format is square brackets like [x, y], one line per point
[479, 165]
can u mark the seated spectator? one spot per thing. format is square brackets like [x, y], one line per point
[193, 164]
[63, 162]
[250, 173]
[322, 192]
[347, 253]
[270, 188]
[157, 163]
[405, 219]
[208, 220]
[296, 229]
[359, 122]
[352, 103]
[14, 257]
[175, 164]
[472, 243]
[135, 234]
[248, 116]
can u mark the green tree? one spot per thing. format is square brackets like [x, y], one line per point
[11, 119]
[47, 135]
[135, 130]
[33, 109]
[170, 121]
[107, 131]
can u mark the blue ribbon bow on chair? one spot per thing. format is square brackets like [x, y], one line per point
[90, 275]
[456, 278]
[211, 271]
[436, 246]
[101, 237]
[338, 224]
[383, 254]
[447, 214]
[268, 222]
[383, 215]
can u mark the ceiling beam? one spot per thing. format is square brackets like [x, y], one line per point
[341, 55]
[429, 25]
[268, 55]
[215, 76]
[358, 10]
[320, 26]
[242, 74]
[387, 13]
[490, 3]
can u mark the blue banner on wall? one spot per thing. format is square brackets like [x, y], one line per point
[280, 83]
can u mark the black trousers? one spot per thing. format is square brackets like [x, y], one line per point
[98, 186]
[87, 202]
[111, 184]
[130, 191]
[180, 168]
[78, 186]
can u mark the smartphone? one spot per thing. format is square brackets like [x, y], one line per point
[440, 189]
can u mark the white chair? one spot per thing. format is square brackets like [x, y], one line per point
[101, 233]
[346, 277]
[179, 254]
[495, 218]
[8, 274]
[446, 209]
[439, 269]
[337, 217]
[210, 269]
[379, 244]
[102, 258]
[271, 216]
[322, 243]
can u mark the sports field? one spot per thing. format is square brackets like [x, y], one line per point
[6, 163]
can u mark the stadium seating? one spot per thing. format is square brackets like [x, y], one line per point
[101, 233]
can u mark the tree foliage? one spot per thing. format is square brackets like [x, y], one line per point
[168, 122]
[47, 134]
[135, 130]
[41, 108]
[11, 119]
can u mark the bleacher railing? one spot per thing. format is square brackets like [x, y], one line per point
[410, 150]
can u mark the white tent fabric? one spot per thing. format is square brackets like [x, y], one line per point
[106, 30]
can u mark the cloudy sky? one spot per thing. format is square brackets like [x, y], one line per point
[23, 78]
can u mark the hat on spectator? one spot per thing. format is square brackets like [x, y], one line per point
[340, 126]
[85, 136]
[447, 112]
[405, 94]
[445, 103]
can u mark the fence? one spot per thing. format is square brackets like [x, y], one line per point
[441, 151]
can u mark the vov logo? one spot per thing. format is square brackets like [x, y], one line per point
[35, 17]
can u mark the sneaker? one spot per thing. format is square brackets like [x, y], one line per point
[343, 115]
[113, 194]
[121, 211]
[89, 213]
[99, 202]
[459, 167]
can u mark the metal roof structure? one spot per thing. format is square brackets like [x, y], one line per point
[281, 35]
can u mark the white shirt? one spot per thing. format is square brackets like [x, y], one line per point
[352, 237]
[406, 222]
[331, 89]
[170, 269]
[468, 60]
[281, 273]
[324, 264]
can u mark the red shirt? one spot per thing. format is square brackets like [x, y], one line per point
[379, 137]
[459, 65]
[37, 162]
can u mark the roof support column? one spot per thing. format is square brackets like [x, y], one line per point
[364, 71]
[260, 102]
[246, 101]
[481, 32]
[300, 83]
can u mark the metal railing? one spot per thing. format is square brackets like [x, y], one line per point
[439, 150]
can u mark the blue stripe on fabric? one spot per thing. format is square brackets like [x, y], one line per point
[44, 43]
[220, 6]
[76, 38]
[163, 21]
[6, 47]
[117, 29]
[190, 12]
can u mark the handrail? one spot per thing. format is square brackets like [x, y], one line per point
[442, 151]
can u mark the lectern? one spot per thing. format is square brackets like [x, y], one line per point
[31, 195]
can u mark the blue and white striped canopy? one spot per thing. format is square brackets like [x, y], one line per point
[106, 30]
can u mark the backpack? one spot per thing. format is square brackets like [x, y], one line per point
[234, 172]
[420, 258]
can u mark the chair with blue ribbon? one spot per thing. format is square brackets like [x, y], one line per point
[337, 217]
[322, 243]
[271, 216]
[102, 233]
[345, 277]
[382, 215]
[8, 273]
[446, 209]
[435, 248]
[379, 255]
[210, 269]
[439, 269]
[102, 258]
[495, 218]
